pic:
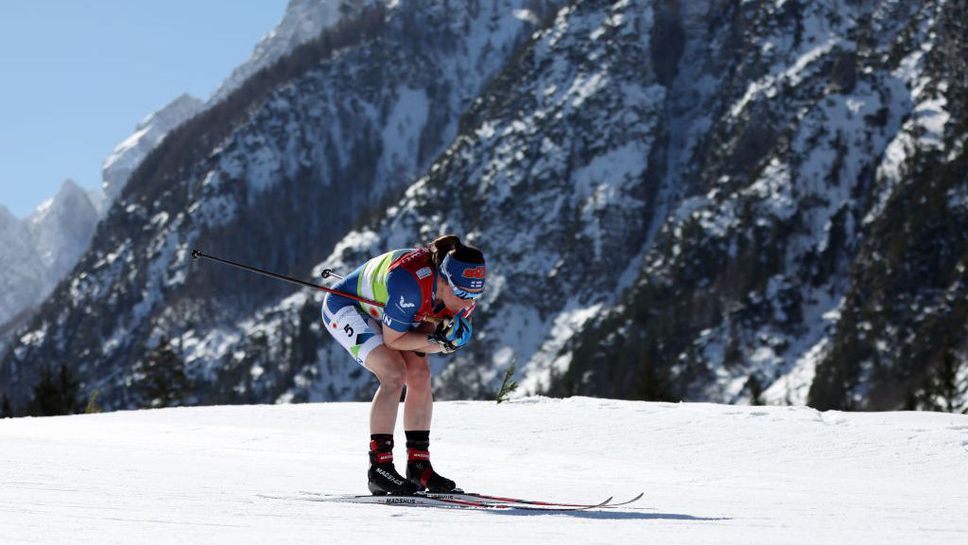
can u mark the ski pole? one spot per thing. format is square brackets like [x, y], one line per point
[326, 273]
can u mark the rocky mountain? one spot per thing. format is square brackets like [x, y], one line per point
[818, 255]
[24, 274]
[302, 22]
[38, 251]
[128, 155]
[61, 228]
[711, 200]
[274, 174]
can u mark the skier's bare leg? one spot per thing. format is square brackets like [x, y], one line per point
[390, 369]
[419, 405]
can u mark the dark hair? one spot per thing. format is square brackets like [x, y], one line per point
[451, 244]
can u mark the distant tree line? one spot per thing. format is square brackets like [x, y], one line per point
[160, 381]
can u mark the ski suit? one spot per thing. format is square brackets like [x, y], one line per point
[404, 280]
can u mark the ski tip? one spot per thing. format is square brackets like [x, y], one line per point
[626, 502]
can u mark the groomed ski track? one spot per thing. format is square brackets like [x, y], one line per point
[711, 473]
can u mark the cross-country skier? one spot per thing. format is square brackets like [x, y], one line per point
[429, 293]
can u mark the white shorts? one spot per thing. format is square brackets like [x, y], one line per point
[356, 331]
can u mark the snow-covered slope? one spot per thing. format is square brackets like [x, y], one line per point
[127, 155]
[711, 474]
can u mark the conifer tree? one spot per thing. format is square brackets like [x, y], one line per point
[164, 383]
[54, 395]
[5, 410]
[509, 385]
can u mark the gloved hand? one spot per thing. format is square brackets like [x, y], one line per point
[452, 334]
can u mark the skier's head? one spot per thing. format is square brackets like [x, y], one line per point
[462, 266]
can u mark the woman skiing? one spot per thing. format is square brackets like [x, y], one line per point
[428, 295]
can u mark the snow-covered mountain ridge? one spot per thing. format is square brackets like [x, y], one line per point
[129, 154]
[39, 250]
[324, 148]
[710, 473]
[706, 200]
[818, 256]
[303, 21]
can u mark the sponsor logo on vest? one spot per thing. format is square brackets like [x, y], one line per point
[424, 272]
[405, 304]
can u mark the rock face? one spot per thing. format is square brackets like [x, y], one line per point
[147, 135]
[37, 252]
[62, 228]
[735, 202]
[303, 21]
[819, 253]
[24, 274]
[275, 175]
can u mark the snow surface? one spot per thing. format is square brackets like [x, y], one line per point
[711, 474]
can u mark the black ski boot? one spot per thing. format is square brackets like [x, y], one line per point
[419, 470]
[382, 477]
[422, 474]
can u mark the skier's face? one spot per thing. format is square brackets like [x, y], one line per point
[452, 302]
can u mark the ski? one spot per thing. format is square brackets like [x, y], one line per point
[471, 496]
[409, 501]
[424, 500]
[485, 499]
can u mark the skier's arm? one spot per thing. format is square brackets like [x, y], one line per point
[408, 340]
[403, 301]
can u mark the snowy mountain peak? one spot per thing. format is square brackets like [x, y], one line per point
[303, 21]
[6, 217]
[23, 281]
[62, 227]
[149, 133]
[174, 113]
[68, 193]
[37, 251]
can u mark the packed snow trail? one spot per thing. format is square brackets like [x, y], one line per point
[711, 473]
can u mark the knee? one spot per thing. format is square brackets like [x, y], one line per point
[418, 374]
[394, 378]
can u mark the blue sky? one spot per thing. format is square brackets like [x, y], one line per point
[76, 76]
